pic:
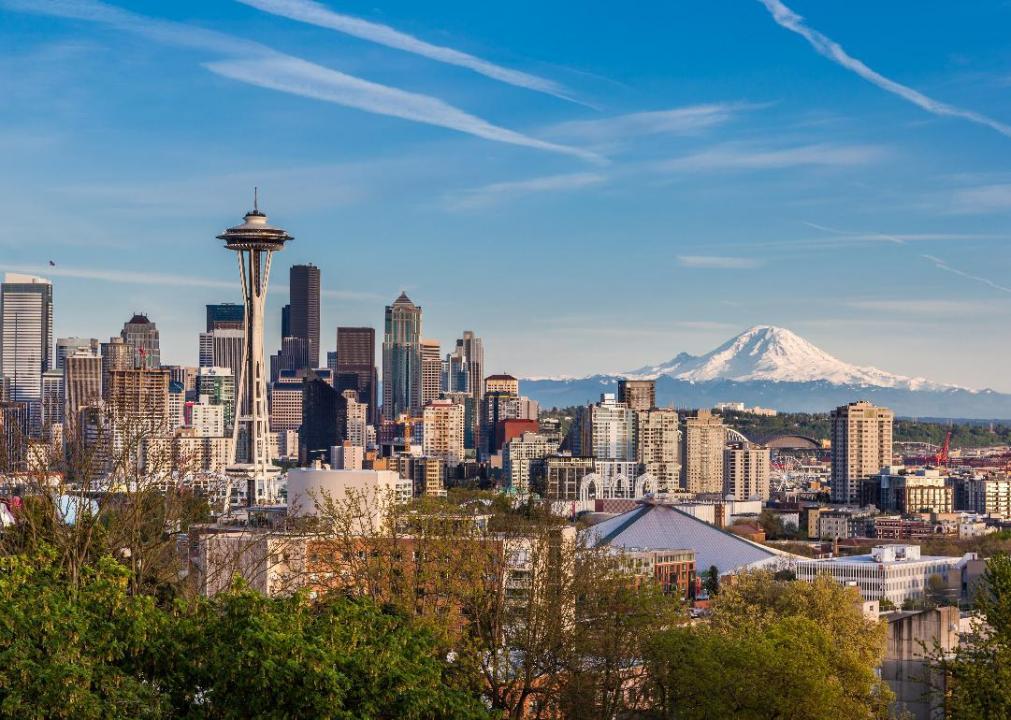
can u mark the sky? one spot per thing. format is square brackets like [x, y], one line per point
[588, 190]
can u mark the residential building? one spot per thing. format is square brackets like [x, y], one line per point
[347, 456]
[613, 433]
[217, 384]
[286, 404]
[896, 490]
[746, 471]
[896, 573]
[206, 419]
[26, 341]
[702, 441]
[861, 446]
[357, 419]
[401, 358]
[989, 495]
[140, 399]
[82, 385]
[658, 439]
[639, 395]
[142, 336]
[442, 436]
[116, 355]
[563, 475]
[52, 400]
[67, 346]
[520, 455]
[505, 384]
[431, 371]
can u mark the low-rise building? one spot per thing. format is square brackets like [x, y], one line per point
[896, 573]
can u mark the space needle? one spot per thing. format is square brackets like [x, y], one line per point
[254, 243]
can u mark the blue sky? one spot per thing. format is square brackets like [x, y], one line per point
[589, 190]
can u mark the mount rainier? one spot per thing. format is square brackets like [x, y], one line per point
[774, 367]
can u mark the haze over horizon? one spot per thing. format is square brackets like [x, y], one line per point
[587, 192]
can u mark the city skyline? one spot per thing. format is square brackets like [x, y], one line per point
[705, 166]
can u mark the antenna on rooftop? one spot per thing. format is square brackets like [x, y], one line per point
[256, 199]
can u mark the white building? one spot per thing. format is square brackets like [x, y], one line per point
[891, 572]
[613, 429]
[26, 340]
[989, 496]
[358, 419]
[368, 493]
[442, 436]
[347, 456]
[519, 454]
[207, 420]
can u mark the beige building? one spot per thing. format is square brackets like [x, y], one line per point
[505, 384]
[702, 443]
[658, 439]
[442, 436]
[639, 395]
[82, 384]
[207, 420]
[430, 371]
[285, 406]
[520, 454]
[861, 446]
[357, 419]
[140, 398]
[746, 471]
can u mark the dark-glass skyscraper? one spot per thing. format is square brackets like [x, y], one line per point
[304, 319]
[324, 419]
[142, 335]
[402, 358]
[356, 354]
[226, 316]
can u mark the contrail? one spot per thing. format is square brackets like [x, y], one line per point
[787, 18]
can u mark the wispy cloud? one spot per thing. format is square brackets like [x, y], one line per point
[136, 277]
[942, 265]
[790, 20]
[854, 237]
[256, 64]
[496, 192]
[926, 306]
[675, 121]
[738, 157]
[293, 75]
[718, 262]
[982, 199]
[318, 14]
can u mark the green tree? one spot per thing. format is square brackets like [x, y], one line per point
[712, 581]
[978, 673]
[772, 649]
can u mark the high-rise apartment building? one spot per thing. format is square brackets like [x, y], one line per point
[638, 395]
[217, 384]
[702, 442]
[26, 341]
[138, 400]
[442, 434]
[357, 419]
[142, 336]
[52, 401]
[861, 446]
[658, 439]
[82, 384]
[563, 475]
[116, 355]
[356, 354]
[206, 419]
[431, 371]
[746, 471]
[225, 316]
[519, 457]
[402, 358]
[612, 435]
[502, 383]
[304, 319]
[67, 346]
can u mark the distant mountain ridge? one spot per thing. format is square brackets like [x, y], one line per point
[774, 367]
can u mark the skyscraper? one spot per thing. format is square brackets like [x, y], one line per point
[637, 394]
[442, 436]
[216, 386]
[255, 242]
[657, 444]
[26, 341]
[138, 400]
[304, 320]
[613, 430]
[401, 358]
[116, 355]
[861, 446]
[142, 335]
[82, 386]
[356, 353]
[702, 444]
[67, 346]
[226, 316]
[746, 471]
[431, 371]
[324, 420]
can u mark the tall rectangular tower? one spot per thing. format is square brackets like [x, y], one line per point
[304, 318]
[702, 444]
[26, 340]
[861, 446]
[401, 358]
[356, 354]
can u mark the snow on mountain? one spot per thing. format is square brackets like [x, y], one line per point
[774, 354]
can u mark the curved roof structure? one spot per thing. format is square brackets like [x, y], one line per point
[792, 442]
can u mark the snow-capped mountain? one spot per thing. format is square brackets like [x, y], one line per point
[775, 354]
[774, 367]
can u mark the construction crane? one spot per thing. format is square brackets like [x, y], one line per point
[941, 457]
